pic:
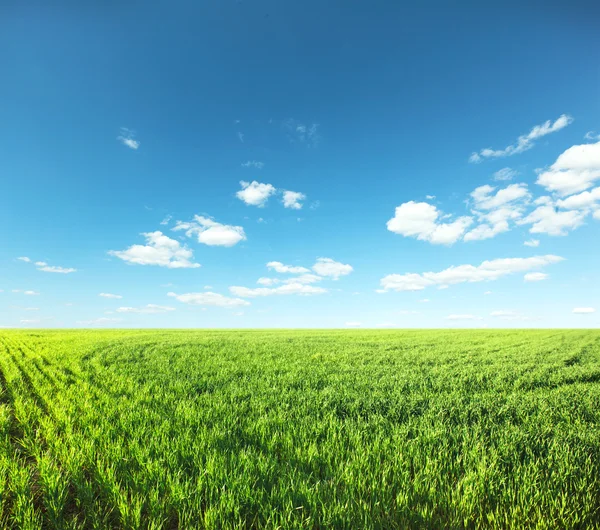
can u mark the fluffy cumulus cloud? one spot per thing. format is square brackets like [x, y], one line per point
[584, 310]
[291, 199]
[536, 276]
[127, 138]
[159, 250]
[423, 221]
[148, 309]
[330, 268]
[581, 201]
[574, 171]
[285, 289]
[209, 299]
[277, 266]
[255, 193]
[110, 295]
[486, 271]
[524, 142]
[210, 232]
[547, 219]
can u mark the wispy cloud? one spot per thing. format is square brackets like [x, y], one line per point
[253, 163]
[592, 135]
[209, 299]
[44, 267]
[148, 309]
[505, 173]
[98, 321]
[110, 295]
[584, 310]
[127, 138]
[302, 133]
[486, 271]
[524, 142]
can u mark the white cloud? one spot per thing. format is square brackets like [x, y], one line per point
[421, 220]
[487, 271]
[286, 289]
[548, 220]
[532, 243]
[463, 317]
[102, 320]
[524, 142]
[353, 324]
[291, 199]
[495, 211]
[147, 309]
[43, 266]
[240, 136]
[304, 279]
[209, 299]
[592, 135]
[536, 276]
[277, 266]
[31, 293]
[302, 133]
[166, 220]
[430, 197]
[584, 200]
[506, 173]
[575, 170]
[127, 138]
[30, 321]
[267, 281]
[54, 268]
[160, 250]
[254, 163]
[487, 293]
[255, 193]
[212, 233]
[509, 315]
[109, 295]
[330, 268]
[584, 310]
[425, 301]
[484, 200]
[597, 215]
[208, 287]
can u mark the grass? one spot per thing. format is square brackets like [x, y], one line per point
[300, 429]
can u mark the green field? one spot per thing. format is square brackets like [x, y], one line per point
[300, 429]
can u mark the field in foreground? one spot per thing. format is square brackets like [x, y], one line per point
[300, 429]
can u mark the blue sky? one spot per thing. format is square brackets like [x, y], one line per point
[286, 164]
